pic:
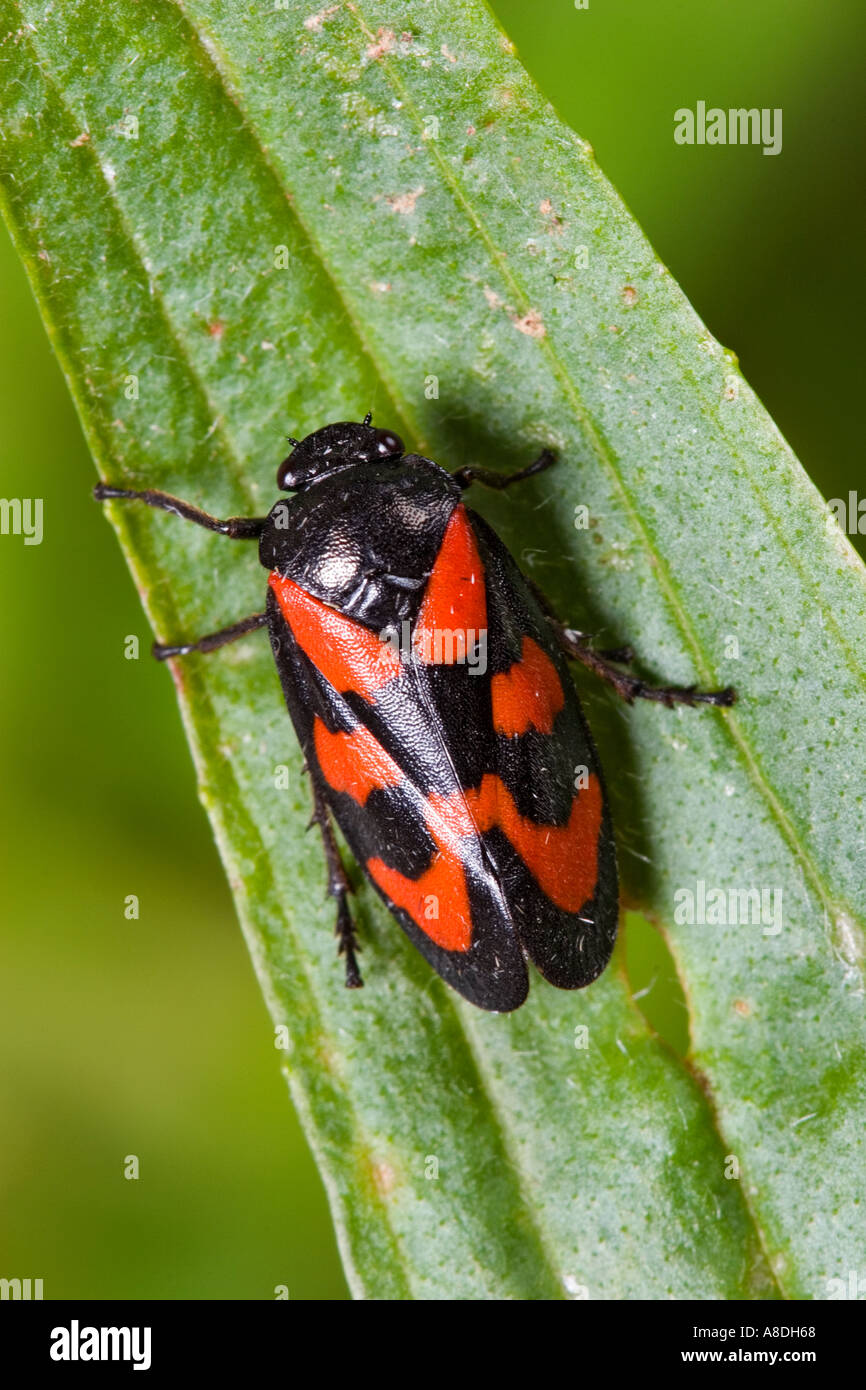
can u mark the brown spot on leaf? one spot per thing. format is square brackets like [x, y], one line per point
[384, 1177]
[629, 295]
[384, 42]
[314, 22]
[530, 323]
[554, 221]
[404, 202]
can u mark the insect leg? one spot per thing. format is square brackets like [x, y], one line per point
[237, 528]
[465, 477]
[339, 888]
[578, 646]
[629, 687]
[623, 655]
[214, 640]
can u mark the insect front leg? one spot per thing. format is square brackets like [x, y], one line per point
[338, 888]
[214, 640]
[465, 477]
[237, 528]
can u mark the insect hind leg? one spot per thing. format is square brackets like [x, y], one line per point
[603, 663]
[338, 888]
[628, 686]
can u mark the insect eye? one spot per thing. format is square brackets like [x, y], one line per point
[388, 443]
[284, 475]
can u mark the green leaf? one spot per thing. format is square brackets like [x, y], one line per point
[244, 221]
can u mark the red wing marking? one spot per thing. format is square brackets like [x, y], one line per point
[454, 610]
[529, 695]
[563, 859]
[438, 901]
[349, 656]
[355, 763]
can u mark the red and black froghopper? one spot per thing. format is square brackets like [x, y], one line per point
[427, 682]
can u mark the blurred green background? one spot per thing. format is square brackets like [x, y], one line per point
[149, 1037]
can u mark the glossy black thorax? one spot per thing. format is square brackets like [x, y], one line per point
[365, 537]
